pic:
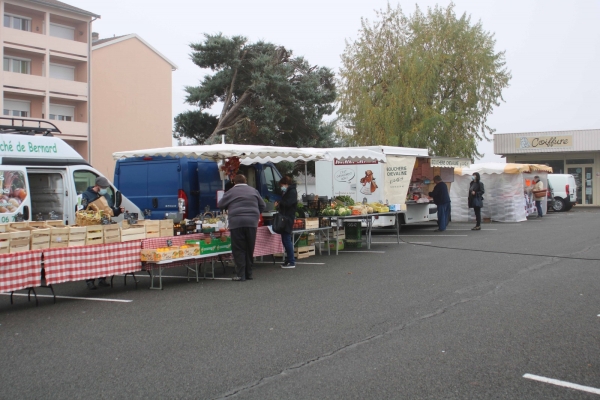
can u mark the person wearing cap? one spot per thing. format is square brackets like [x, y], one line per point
[92, 194]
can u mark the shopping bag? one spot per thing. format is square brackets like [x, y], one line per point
[280, 223]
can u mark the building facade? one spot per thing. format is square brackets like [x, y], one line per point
[46, 51]
[567, 152]
[131, 98]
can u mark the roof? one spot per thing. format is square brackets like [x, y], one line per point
[502, 168]
[98, 44]
[64, 6]
[547, 142]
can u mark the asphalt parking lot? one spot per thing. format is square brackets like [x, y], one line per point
[508, 312]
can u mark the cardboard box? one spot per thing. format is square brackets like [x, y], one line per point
[189, 250]
[206, 246]
[337, 244]
[161, 254]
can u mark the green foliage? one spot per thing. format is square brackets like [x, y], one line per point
[428, 80]
[268, 96]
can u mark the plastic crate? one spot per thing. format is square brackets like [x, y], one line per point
[353, 230]
[353, 244]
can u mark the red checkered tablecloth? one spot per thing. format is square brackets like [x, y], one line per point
[267, 243]
[90, 262]
[20, 270]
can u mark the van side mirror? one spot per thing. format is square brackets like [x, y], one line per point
[119, 199]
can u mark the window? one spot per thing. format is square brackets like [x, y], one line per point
[16, 108]
[62, 31]
[65, 72]
[580, 161]
[17, 22]
[84, 179]
[62, 113]
[18, 65]
[269, 179]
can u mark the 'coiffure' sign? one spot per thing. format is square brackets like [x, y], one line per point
[544, 142]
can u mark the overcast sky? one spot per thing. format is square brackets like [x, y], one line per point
[552, 47]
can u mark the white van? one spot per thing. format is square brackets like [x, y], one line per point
[42, 176]
[564, 190]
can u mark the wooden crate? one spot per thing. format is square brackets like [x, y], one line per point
[94, 235]
[134, 232]
[112, 233]
[166, 227]
[77, 236]
[57, 224]
[38, 225]
[311, 223]
[59, 237]
[4, 243]
[40, 238]
[152, 228]
[304, 252]
[19, 245]
[18, 225]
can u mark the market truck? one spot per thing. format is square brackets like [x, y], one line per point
[184, 185]
[42, 176]
[404, 179]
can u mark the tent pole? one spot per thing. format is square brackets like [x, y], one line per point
[305, 177]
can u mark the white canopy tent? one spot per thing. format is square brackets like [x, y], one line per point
[505, 190]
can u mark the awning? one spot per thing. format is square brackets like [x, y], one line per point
[502, 168]
[254, 154]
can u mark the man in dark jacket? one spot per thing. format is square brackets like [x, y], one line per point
[441, 198]
[244, 205]
[287, 207]
[92, 194]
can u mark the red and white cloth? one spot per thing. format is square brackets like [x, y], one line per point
[20, 270]
[267, 243]
[91, 262]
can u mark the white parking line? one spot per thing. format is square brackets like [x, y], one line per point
[434, 235]
[562, 383]
[483, 229]
[361, 251]
[72, 297]
[279, 262]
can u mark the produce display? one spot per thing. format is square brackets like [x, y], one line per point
[13, 193]
[347, 200]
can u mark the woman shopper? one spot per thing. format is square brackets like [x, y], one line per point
[476, 191]
[287, 208]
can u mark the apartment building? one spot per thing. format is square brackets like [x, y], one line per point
[131, 98]
[46, 51]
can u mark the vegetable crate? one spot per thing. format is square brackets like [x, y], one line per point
[166, 227]
[160, 254]
[94, 235]
[112, 233]
[311, 223]
[353, 230]
[59, 237]
[304, 252]
[334, 234]
[152, 228]
[134, 232]
[299, 224]
[324, 222]
[77, 235]
[40, 238]
[337, 244]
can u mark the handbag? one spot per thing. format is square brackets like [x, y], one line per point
[477, 201]
[280, 223]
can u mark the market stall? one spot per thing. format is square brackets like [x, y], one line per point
[508, 196]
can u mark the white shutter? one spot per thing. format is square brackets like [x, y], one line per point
[62, 72]
[67, 111]
[62, 31]
[16, 105]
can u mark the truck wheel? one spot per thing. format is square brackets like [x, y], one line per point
[559, 204]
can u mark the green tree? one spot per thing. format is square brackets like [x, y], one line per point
[426, 80]
[267, 95]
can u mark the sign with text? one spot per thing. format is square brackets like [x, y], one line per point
[398, 171]
[544, 142]
[450, 162]
[351, 162]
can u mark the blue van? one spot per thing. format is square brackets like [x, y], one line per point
[159, 185]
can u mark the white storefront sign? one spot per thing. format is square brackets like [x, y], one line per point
[398, 171]
[450, 162]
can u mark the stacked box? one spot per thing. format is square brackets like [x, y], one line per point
[353, 230]
[337, 244]
[311, 223]
[4, 243]
[133, 232]
[77, 235]
[59, 237]
[19, 240]
[152, 228]
[56, 223]
[334, 234]
[304, 252]
[207, 246]
[166, 227]
[223, 244]
[311, 239]
[112, 233]
[302, 241]
[94, 235]
[160, 254]
[40, 238]
[189, 250]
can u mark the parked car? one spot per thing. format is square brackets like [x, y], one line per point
[564, 191]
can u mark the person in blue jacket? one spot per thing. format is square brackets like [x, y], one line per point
[92, 194]
[441, 198]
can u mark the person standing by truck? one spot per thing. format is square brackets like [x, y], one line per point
[441, 198]
[287, 207]
[244, 205]
[93, 193]
[538, 187]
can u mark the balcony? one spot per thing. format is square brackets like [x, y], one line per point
[36, 40]
[26, 82]
[74, 130]
[70, 88]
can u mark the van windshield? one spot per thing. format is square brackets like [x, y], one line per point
[84, 179]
